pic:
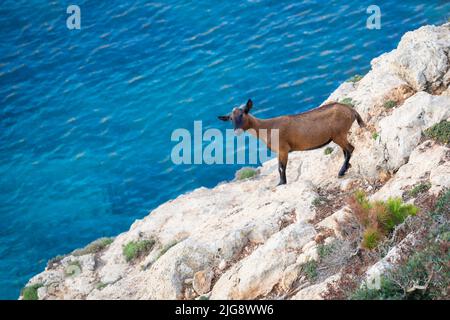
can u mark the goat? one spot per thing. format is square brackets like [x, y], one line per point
[304, 131]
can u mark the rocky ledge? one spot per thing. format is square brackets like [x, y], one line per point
[248, 239]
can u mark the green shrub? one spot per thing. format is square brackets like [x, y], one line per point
[30, 292]
[348, 101]
[94, 247]
[375, 136]
[390, 104]
[310, 270]
[420, 188]
[371, 237]
[396, 213]
[323, 250]
[246, 173]
[439, 132]
[355, 78]
[388, 291]
[361, 198]
[328, 150]
[379, 218]
[135, 249]
[442, 205]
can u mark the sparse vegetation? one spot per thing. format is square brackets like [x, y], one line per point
[375, 136]
[100, 285]
[73, 268]
[31, 292]
[355, 78]
[390, 104]
[54, 261]
[94, 247]
[379, 218]
[324, 250]
[319, 201]
[348, 101]
[246, 173]
[135, 249]
[424, 275]
[442, 207]
[420, 188]
[328, 150]
[439, 132]
[310, 270]
[420, 273]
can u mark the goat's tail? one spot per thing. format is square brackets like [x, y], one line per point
[360, 121]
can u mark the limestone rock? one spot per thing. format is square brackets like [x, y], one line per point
[202, 281]
[248, 239]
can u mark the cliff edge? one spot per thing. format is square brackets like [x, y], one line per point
[248, 239]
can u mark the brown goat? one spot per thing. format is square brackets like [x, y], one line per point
[304, 131]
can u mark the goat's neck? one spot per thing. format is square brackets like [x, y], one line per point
[257, 124]
[261, 128]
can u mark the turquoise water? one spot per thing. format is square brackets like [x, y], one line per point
[86, 115]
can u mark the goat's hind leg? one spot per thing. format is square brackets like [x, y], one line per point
[348, 150]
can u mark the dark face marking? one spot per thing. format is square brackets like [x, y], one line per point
[239, 117]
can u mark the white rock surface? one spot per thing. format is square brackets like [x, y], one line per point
[248, 239]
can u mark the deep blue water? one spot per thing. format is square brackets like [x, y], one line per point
[86, 115]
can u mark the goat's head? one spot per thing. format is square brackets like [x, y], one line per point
[239, 117]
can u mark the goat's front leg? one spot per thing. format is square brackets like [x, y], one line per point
[282, 164]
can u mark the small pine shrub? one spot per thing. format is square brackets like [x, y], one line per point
[371, 237]
[439, 132]
[378, 218]
[30, 292]
[135, 249]
[397, 213]
[328, 150]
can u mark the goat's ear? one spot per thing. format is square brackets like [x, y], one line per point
[248, 106]
[224, 118]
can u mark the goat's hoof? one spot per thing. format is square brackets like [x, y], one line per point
[281, 183]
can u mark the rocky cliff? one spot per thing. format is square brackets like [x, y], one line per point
[248, 239]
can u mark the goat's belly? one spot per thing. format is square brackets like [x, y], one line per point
[310, 144]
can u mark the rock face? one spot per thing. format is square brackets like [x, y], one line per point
[251, 240]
